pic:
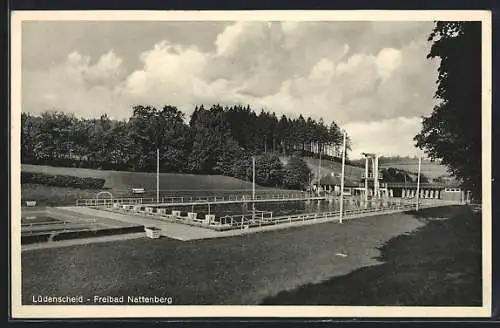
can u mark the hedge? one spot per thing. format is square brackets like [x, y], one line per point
[32, 239]
[62, 180]
[97, 233]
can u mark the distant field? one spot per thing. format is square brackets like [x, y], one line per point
[428, 168]
[120, 183]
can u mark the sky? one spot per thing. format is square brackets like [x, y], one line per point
[372, 78]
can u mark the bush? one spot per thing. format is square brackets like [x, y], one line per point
[32, 239]
[97, 233]
[296, 173]
[62, 180]
[268, 170]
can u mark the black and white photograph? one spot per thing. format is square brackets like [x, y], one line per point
[269, 164]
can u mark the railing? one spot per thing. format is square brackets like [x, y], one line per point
[262, 218]
[196, 199]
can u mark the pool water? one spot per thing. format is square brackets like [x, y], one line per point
[278, 208]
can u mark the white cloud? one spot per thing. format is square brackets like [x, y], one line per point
[388, 60]
[322, 70]
[169, 73]
[226, 41]
[387, 137]
[318, 70]
[106, 71]
[76, 86]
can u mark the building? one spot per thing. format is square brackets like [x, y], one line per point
[445, 191]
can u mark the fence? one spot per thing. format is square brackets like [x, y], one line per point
[193, 199]
[257, 218]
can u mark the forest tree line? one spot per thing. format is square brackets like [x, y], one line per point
[217, 140]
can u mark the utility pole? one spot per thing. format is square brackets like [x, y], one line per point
[418, 180]
[253, 184]
[157, 175]
[342, 180]
[319, 170]
[375, 178]
[366, 180]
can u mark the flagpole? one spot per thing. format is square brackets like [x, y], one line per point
[342, 180]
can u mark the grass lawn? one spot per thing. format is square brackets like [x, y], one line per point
[120, 185]
[440, 264]
[257, 267]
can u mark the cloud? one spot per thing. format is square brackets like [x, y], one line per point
[387, 137]
[388, 60]
[76, 85]
[169, 71]
[355, 73]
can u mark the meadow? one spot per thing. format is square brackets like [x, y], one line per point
[120, 183]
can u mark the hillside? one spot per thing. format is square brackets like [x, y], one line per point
[327, 167]
[119, 180]
[120, 184]
[428, 168]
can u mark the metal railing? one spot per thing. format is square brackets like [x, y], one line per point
[196, 199]
[262, 218]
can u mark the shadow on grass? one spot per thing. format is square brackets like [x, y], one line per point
[437, 265]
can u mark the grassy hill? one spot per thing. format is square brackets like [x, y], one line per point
[428, 168]
[327, 167]
[120, 183]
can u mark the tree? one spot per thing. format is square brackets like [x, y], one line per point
[54, 137]
[213, 150]
[452, 132]
[268, 170]
[29, 130]
[164, 129]
[392, 174]
[296, 173]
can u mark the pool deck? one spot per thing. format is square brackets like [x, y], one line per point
[186, 233]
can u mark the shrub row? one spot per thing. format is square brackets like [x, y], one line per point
[32, 239]
[97, 233]
[62, 180]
